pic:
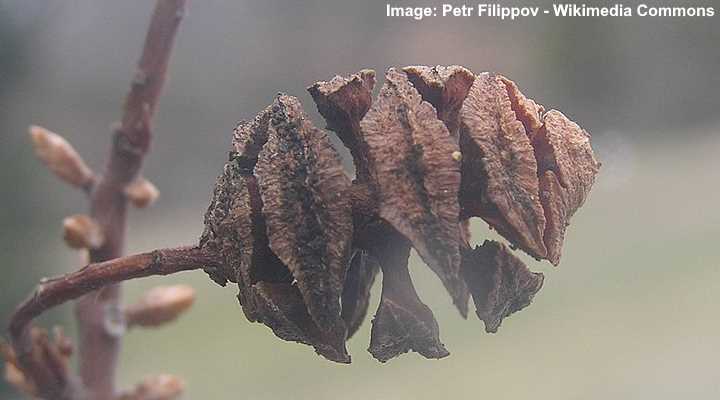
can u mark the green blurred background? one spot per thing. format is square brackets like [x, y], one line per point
[630, 313]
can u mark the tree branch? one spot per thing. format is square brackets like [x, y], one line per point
[53, 292]
[99, 348]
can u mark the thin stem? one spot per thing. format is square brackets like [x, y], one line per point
[98, 348]
[53, 292]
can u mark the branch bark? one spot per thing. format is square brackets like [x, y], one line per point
[98, 347]
[88, 279]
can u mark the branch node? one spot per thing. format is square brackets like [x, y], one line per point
[114, 320]
[157, 259]
[123, 145]
[140, 78]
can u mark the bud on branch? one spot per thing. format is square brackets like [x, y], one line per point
[82, 232]
[158, 387]
[160, 305]
[142, 193]
[13, 374]
[50, 358]
[62, 159]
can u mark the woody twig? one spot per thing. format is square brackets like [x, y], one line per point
[102, 232]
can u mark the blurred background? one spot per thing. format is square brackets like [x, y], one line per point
[630, 313]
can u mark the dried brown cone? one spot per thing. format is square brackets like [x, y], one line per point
[438, 146]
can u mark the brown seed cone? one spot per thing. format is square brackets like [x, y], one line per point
[437, 147]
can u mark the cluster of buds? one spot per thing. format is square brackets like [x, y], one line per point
[50, 358]
[82, 231]
[50, 355]
[438, 146]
